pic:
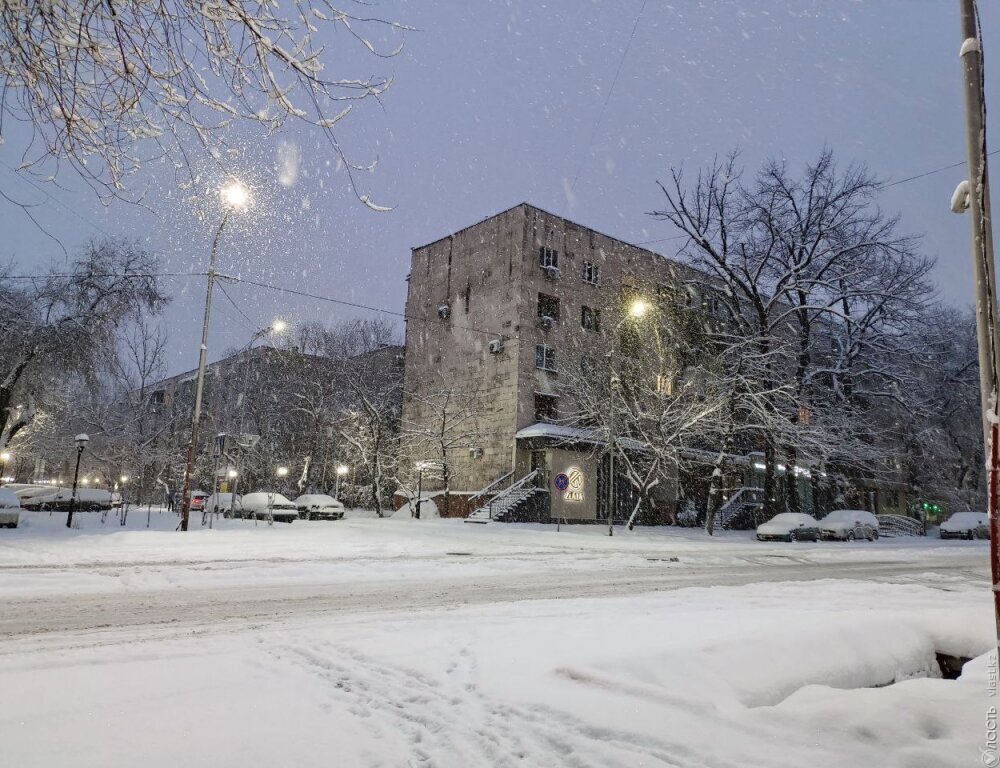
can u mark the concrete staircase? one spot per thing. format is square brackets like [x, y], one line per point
[746, 499]
[504, 504]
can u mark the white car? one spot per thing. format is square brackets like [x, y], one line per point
[10, 509]
[966, 525]
[226, 504]
[33, 496]
[789, 526]
[269, 506]
[848, 525]
[319, 506]
[60, 499]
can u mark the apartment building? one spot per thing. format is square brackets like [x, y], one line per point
[499, 314]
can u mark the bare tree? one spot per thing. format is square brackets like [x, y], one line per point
[59, 325]
[447, 424]
[125, 414]
[370, 428]
[815, 290]
[96, 79]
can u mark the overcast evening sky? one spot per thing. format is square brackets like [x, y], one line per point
[495, 103]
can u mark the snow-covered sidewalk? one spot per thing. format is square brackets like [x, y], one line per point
[762, 675]
[371, 642]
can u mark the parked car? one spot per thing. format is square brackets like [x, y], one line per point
[10, 509]
[848, 525]
[264, 505]
[198, 500]
[60, 499]
[319, 506]
[225, 504]
[789, 526]
[966, 525]
[33, 496]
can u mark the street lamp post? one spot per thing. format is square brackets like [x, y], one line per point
[234, 197]
[124, 482]
[420, 486]
[636, 310]
[342, 470]
[81, 443]
[281, 473]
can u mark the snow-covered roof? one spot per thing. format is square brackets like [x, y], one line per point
[571, 434]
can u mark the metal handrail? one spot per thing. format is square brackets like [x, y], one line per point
[490, 488]
[900, 525]
[511, 489]
[722, 514]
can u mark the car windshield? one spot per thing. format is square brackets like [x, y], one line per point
[844, 516]
[967, 518]
[787, 517]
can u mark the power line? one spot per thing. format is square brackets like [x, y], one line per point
[125, 276]
[229, 298]
[355, 305]
[56, 200]
[930, 173]
[885, 185]
[607, 97]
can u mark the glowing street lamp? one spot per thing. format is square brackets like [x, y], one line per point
[4, 458]
[342, 470]
[638, 308]
[235, 197]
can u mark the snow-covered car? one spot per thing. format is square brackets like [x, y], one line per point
[33, 496]
[848, 525]
[966, 525]
[60, 499]
[264, 506]
[198, 500]
[319, 506]
[225, 504]
[789, 526]
[10, 509]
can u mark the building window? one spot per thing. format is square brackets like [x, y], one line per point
[664, 384]
[466, 297]
[545, 407]
[545, 357]
[591, 273]
[590, 319]
[548, 257]
[548, 306]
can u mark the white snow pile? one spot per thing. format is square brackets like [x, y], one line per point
[428, 510]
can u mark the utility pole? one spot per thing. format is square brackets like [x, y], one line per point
[971, 55]
[192, 445]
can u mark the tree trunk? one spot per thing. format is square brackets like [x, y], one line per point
[793, 502]
[770, 485]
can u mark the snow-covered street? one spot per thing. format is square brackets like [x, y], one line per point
[396, 642]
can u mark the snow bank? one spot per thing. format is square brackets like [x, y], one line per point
[428, 510]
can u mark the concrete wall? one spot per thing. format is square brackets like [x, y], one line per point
[579, 500]
[476, 273]
[493, 268]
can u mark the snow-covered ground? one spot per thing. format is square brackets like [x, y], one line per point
[372, 642]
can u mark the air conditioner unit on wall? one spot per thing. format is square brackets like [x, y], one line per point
[546, 321]
[552, 273]
[496, 346]
[443, 311]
